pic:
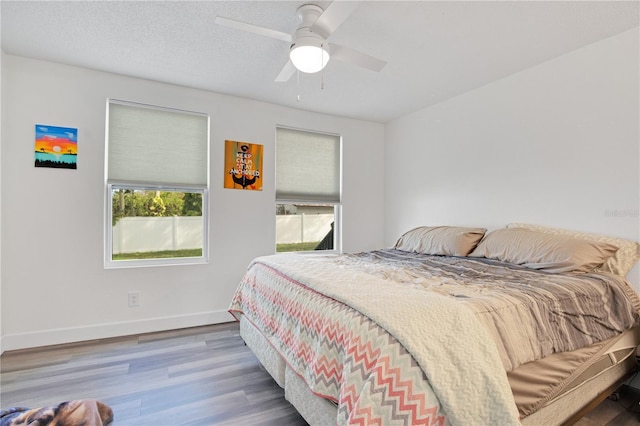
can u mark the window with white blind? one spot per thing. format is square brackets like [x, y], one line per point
[157, 185]
[308, 184]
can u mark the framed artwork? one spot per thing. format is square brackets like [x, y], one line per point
[243, 165]
[56, 147]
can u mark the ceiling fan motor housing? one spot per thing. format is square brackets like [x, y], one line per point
[309, 51]
[308, 14]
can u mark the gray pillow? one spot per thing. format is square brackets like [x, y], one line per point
[441, 240]
[539, 250]
[620, 263]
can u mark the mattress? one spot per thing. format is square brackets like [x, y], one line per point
[537, 383]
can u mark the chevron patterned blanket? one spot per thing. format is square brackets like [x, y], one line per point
[362, 344]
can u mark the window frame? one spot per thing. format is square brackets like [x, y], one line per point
[337, 205]
[109, 185]
[129, 263]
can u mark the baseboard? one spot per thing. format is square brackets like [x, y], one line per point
[59, 336]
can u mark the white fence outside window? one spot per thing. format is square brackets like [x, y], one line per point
[302, 228]
[144, 234]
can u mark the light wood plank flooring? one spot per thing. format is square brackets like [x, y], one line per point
[197, 376]
[623, 409]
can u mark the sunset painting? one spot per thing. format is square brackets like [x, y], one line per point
[56, 147]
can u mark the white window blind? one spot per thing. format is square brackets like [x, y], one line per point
[307, 166]
[163, 146]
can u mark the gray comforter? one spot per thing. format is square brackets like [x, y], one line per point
[530, 314]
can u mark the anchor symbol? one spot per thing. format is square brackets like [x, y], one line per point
[243, 180]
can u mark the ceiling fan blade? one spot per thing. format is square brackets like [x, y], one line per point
[287, 71]
[333, 16]
[239, 25]
[354, 57]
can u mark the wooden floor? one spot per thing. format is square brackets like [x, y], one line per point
[622, 409]
[197, 376]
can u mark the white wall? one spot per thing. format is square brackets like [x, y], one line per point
[54, 286]
[556, 144]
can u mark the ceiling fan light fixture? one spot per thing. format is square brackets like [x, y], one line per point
[309, 53]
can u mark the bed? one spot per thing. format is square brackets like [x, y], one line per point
[522, 325]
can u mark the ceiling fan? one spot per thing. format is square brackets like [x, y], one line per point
[309, 51]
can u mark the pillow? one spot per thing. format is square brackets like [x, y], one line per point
[548, 252]
[620, 263]
[441, 240]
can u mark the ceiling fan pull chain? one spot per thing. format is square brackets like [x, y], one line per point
[322, 70]
[298, 85]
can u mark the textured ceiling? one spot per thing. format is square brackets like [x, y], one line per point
[435, 49]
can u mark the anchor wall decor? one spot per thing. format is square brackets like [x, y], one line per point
[243, 165]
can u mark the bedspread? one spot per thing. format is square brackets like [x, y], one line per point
[385, 351]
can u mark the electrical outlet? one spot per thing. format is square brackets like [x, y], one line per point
[134, 299]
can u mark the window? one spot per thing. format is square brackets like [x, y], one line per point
[157, 186]
[307, 190]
